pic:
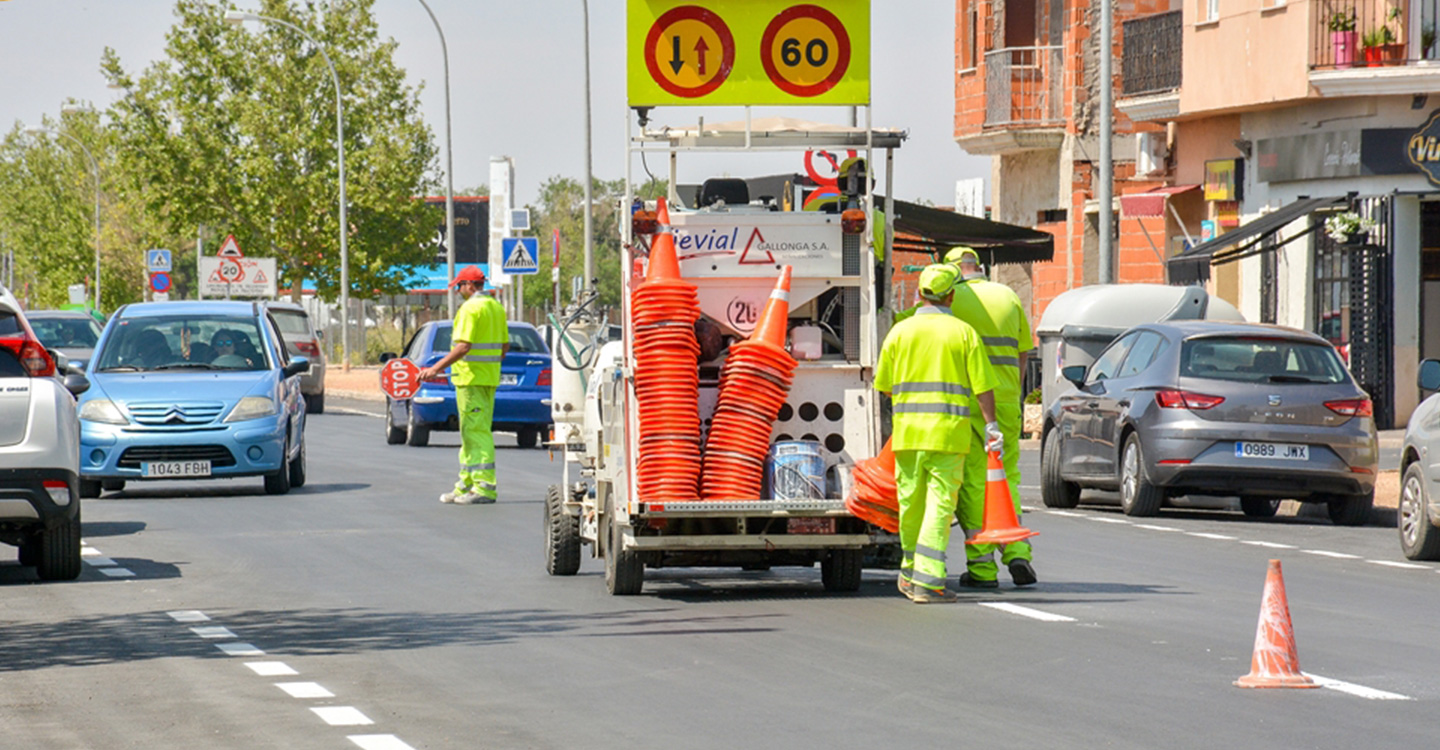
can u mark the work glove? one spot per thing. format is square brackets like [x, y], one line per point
[994, 440]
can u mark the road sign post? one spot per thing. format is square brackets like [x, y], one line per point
[400, 379]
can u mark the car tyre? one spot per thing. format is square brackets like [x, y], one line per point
[1350, 510]
[417, 435]
[1055, 492]
[841, 569]
[278, 483]
[624, 571]
[58, 556]
[1419, 539]
[89, 488]
[527, 437]
[1259, 507]
[394, 435]
[315, 403]
[562, 535]
[298, 468]
[30, 552]
[1138, 497]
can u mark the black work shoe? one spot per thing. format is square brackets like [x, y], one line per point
[1022, 573]
[970, 582]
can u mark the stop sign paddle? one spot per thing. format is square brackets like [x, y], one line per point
[400, 379]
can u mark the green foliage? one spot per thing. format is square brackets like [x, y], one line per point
[236, 130]
[1342, 20]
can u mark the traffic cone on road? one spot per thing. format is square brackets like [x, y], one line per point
[1275, 663]
[1001, 525]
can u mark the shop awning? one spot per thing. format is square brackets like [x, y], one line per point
[922, 229]
[1151, 204]
[1193, 265]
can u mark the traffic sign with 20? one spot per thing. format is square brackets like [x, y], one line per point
[400, 379]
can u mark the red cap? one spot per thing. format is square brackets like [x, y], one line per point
[469, 273]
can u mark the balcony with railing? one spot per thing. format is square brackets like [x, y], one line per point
[1374, 46]
[1150, 69]
[1010, 100]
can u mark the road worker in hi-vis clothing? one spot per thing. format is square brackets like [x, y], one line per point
[936, 371]
[479, 341]
[997, 315]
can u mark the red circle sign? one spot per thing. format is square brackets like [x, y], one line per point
[689, 51]
[805, 50]
[400, 379]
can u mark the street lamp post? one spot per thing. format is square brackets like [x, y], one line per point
[449, 170]
[237, 17]
[95, 171]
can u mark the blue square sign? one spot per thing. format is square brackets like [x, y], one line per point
[520, 255]
[157, 261]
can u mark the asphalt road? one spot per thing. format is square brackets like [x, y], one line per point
[359, 598]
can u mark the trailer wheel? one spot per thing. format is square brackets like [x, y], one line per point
[624, 571]
[562, 535]
[841, 570]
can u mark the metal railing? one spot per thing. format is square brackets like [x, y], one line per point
[1373, 33]
[1151, 62]
[1023, 85]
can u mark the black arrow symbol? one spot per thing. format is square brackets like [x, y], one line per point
[676, 62]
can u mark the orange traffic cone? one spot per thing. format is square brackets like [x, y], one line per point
[1275, 663]
[664, 263]
[1001, 525]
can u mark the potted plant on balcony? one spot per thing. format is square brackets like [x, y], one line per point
[1349, 228]
[1382, 44]
[1343, 37]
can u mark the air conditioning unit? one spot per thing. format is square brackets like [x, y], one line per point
[1150, 153]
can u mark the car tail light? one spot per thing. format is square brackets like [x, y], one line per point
[852, 221]
[308, 348]
[1173, 399]
[31, 354]
[1352, 407]
[545, 377]
[58, 491]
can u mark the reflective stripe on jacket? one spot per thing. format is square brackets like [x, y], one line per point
[481, 322]
[932, 364]
[995, 312]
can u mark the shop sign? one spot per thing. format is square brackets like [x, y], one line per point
[1224, 179]
[1227, 213]
[1423, 148]
[1334, 154]
[1207, 230]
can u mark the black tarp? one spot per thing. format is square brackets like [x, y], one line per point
[922, 229]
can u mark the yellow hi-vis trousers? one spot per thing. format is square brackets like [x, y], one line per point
[926, 482]
[476, 404]
[980, 558]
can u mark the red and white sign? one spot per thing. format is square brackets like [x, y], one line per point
[229, 248]
[400, 379]
[238, 277]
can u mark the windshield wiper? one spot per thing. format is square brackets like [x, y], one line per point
[1293, 379]
[120, 368]
[187, 365]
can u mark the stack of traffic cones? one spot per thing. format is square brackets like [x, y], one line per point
[1001, 525]
[664, 309]
[873, 498]
[1274, 663]
[753, 386]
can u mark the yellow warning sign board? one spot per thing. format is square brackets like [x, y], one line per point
[738, 52]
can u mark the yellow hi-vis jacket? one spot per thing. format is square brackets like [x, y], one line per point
[481, 322]
[932, 364]
[995, 312]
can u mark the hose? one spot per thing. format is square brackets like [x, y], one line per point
[585, 356]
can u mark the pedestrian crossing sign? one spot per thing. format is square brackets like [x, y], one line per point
[520, 254]
[157, 261]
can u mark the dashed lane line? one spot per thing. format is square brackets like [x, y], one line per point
[1033, 614]
[341, 716]
[1068, 514]
[271, 668]
[188, 615]
[1107, 519]
[1267, 545]
[1394, 564]
[1356, 690]
[1328, 553]
[354, 412]
[98, 561]
[304, 690]
[1205, 535]
[1153, 527]
[378, 742]
[239, 649]
[118, 572]
[213, 631]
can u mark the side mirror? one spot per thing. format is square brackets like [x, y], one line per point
[387, 356]
[297, 365]
[1075, 374]
[1430, 374]
[319, 333]
[62, 362]
[76, 382]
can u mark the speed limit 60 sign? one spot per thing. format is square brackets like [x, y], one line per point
[400, 379]
[748, 52]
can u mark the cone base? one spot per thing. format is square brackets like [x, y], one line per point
[1002, 536]
[1253, 680]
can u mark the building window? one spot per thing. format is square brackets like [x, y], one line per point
[970, 37]
[1051, 216]
[1209, 10]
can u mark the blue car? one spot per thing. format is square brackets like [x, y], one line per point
[522, 401]
[192, 390]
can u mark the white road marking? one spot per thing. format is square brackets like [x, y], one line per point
[1357, 690]
[304, 690]
[1328, 553]
[1107, 519]
[378, 742]
[1153, 527]
[1068, 513]
[271, 668]
[356, 412]
[118, 572]
[239, 649]
[100, 562]
[341, 716]
[213, 631]
[1036, 614]
[1267, 545]
[1394, 564]
[1204, 535]
[188, 615]
[89, 551]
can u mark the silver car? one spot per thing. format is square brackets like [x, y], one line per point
[1419, 468]
[1213, 408]
[303, 339]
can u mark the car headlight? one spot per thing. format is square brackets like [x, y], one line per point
[252, 407]
[102, 410]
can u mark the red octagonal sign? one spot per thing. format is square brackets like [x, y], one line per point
[400, 379]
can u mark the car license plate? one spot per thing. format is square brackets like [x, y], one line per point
[1287, 451]
[171, 469]
[810, 525]
[509, 378]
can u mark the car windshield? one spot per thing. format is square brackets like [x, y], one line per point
[522, 341]
[67, 332]
[1261, 360]
[293, 324]
[191, 342]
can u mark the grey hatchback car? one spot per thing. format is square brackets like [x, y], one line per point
[1213, 408]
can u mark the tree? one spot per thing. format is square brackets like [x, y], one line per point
[235, 130]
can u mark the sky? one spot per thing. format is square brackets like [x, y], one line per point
[517, 83]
